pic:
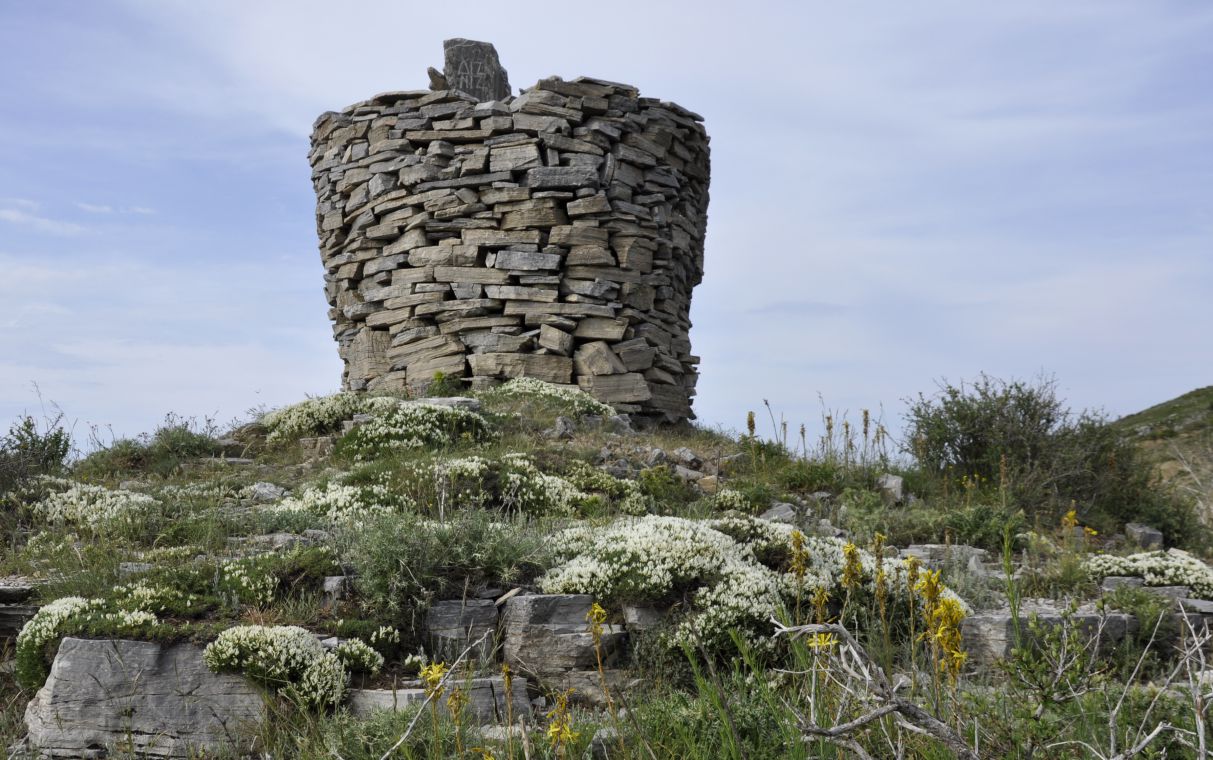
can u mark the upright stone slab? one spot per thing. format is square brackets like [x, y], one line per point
[548, 634]
[556, 235]
[140, 698]
[473, 67]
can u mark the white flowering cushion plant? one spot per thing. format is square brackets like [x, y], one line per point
[64, 617]
[317, 416]
[87, 506]
[413, 425]
[573, 400]
[732, 570]
[285, 658]
[527, 489]
[1173, 567]
[358, 657]
[338, 503]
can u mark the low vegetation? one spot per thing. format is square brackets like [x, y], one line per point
[793, 620]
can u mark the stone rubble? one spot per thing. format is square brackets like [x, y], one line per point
[557, 235]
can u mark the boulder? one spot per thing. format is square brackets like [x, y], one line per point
[548, 635]
[892, 488]
[1144, 536]
[781, 512]
[936, 555]
[457, 624]
[141, 698]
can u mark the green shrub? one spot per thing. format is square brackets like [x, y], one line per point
[1018, 440]
[29, 451]
[402, 562]
[811, 475]
[176, 441]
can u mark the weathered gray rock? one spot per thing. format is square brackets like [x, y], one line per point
[1113, 582]
[891, 487]
[473, 67]
[642, 618]
[1144, 536]
[487, 698]
[146, 698]
[989, 636]
[128, 569]
[457, 624]
[549, 635]
[264, 493]
[13, 618]
[687, 458]
[605, 743]
[782, 512]
[937, 555]
[562, 430]
[16, 589]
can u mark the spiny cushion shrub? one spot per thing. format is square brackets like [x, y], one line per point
[562, 399]
[1021, 438]
[64, 617]
[413, 425]
[732, 573]
[285, 658]
[1173, 567]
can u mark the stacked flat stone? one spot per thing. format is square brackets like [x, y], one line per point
[554, 235]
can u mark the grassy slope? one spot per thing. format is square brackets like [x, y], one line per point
[1178, 436]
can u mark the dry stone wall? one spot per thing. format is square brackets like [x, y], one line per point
[556, 235]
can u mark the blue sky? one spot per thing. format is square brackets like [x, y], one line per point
[901, 192]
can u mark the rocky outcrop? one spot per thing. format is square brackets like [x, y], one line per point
[556, 235]
[15, 610]
[487, 698]
[548, 634]
[990, 636]
[112, 697]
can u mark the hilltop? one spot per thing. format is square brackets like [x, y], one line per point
[1177, 437]
[497, 574]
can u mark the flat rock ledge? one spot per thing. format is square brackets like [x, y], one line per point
[117, 697]
[487, 698]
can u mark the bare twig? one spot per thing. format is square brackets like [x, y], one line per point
[865, 674]
[430, 696]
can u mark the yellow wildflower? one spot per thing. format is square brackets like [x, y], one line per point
[433, 674]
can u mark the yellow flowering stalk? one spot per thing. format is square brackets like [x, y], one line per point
[560, 724]
[455, 703]
[821, 600]
[507, 676]
[433, 674]
[852, 569]
[799, 566]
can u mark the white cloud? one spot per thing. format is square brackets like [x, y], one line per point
[39, 223]
[94, 208]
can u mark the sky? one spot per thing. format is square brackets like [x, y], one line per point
[902, 194]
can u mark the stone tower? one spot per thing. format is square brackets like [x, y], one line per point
[557, 234]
